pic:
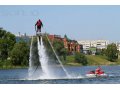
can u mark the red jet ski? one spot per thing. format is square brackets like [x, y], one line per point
[96, 73]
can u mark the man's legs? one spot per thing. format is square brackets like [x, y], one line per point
[39, 29]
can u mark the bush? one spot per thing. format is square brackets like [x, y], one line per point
[64, 53]
[7, 41]
[112, 52]
[81, 58]
[20, 54]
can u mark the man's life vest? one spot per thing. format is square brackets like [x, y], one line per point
[39, 23]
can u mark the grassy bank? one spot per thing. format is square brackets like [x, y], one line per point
[98, 60]
[70, 60]
[12, 67]
[92, 60]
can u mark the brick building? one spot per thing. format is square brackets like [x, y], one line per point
[71, 45]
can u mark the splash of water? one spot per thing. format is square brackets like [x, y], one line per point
[30, 59]
[43, 59]
[58, 59]
[46, 71]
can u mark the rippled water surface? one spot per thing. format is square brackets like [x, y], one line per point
[20, 76]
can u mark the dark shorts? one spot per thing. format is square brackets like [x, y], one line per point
[38, 28]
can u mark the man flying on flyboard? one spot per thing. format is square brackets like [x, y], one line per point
[38, 30]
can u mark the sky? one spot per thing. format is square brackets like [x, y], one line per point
[78, 22]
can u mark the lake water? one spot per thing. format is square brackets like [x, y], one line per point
[20, 76]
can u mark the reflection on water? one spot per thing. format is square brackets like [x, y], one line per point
[20, 76]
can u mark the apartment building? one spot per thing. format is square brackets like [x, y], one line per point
[98, 44]
[118, 46]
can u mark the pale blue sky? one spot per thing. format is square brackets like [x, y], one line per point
[78, 22]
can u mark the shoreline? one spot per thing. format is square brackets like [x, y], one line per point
[70, 61]
[13, 67]
[69, 65]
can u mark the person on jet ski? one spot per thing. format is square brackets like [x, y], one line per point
[39, 25]
[99, 71]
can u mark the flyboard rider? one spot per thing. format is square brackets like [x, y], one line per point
[38, 24]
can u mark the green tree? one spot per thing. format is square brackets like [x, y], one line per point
[81, 58]
[98, 51]
[7, 41]
[20, 54]
[103, 51]
[35, 57]
[58, 46]
[64, 53]
[112, 52]
[49, 50]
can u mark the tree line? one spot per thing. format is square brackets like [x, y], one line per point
[111, 52]
[16, 53]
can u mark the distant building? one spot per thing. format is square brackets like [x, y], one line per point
[23, 37]
[98, 44]
[118, 46]
[71, 45]
[53, 37]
